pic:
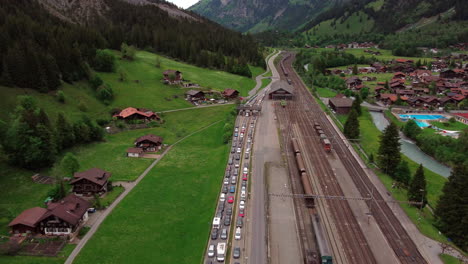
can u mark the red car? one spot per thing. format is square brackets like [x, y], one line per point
[231, 199]
[241, 212]
[244, 176]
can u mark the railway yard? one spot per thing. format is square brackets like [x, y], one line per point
[312, 173]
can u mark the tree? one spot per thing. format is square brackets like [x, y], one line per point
[417, 190]
[70, 164]
[388, 155]
[95, 82]
[65, 134]
[433, 88]
[403, 173]
[351, 127]
[364, 93]
[386, 85]
[104, 61]
[122, 75]
[451, 212]
[355, 70]
[411, 129]
[61, 96]
[128, 52]
[357, 105]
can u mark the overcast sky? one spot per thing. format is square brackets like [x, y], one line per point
[183, 3]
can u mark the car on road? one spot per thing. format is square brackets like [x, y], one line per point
[236, 165]
[225, 189]
[247, 151]
[236, 129]
[238, 150]
[222, 197]
[243, 188]
[244, 176]
[230, 161]
[233, 150]
[226, 181]
[223, 234]
[211, 251]
[229, 211]
[239, 222]
[241, 135]
[214, 233]
[242, 204]
[246, 170]
[221, 206]
[232, 189]
[227, 221]
[236, 253]
[236, 135]
[237, 157]
[231, 199]
[247, 156]
[233, 180]
[237, 236]
[236, 172]
[243, 196]
[241, 212]
[244, 183]
[249, 140]
[228, 174]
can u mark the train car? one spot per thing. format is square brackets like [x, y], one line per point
[323, 136]
[309, 201]
[326, 144]
[322, 241]
[318, 127]
[316, 124]
[295, 146]
[300, 163]
[320, 132]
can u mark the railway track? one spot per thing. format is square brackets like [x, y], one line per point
[403, 246]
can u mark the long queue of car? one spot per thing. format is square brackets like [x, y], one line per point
[234, 176]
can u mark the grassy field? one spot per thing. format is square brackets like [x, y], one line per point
[447, 259]
[356, 23]
[386, 55]
[111, 156]
[148, 93]
[256, 71]
[457, 126]
[324, 92]
[265, 82]
[174, 204]
[112, 195]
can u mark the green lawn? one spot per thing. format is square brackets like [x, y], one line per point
[356, 23]
[457, 126]
[111, 156]
[386, 55]
[393, 118]
[265, 82]
[325, 92]
[256, 71]
[167, 217]
[112, 195]
[447, 259]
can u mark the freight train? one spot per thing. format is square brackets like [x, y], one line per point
[323, 138]
[285, 72]
[325, 253]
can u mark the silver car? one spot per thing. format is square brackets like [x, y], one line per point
[223, 234]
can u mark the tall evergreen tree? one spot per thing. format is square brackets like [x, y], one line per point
[403, 173]
[65, 134]
[411, 129]
[70, 164]
[451, 210]
[418, 190]
[357, 105]
[351, 127]
[388, 155]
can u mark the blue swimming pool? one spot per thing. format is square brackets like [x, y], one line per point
[422, 117]
[422, 124]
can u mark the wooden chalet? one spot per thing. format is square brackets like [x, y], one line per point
[388, 99]
[90, 182]
[341, 105]
[230, 93]
[399, 75]
[59, 218]
[131, 113]
[281, 90]
[353, 82]
[149, 143]
[450, 74]
[195, 95]
[134, 152]
[172, 76]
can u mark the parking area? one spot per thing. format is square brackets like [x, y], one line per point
[227, 232]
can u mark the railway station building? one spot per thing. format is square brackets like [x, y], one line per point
[341, 105]
[281, 90]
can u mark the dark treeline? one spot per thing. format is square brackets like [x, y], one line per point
[38, 50]
[32, 141]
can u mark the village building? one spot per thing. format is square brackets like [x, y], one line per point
[134, 152]
[172, 77]
[353, 82]
[449, 74]
[149, 143]
[60, 218]
[195, 95]
[281, 90]
[341, 105]
[230, 94]
[131, 113]
[91, 182]
[461, 117]
[388, 99]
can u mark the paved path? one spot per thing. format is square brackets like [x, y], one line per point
[129, 188]
[195, 107]
[260, 77]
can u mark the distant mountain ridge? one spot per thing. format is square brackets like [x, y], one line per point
[261, 15]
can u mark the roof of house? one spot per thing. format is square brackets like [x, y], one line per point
[70, 209]
[353, 79]
[391, 97]
[167, 72]
[379, 88]
[193, 92]
[459, 97]
[464, 115]
[229, 92]
[403, 60]
[341, 102]
[281, 85]
[94, 175]
[135, 150]
[131, 111]
[29, 217]
[150, 137]
[399, 73]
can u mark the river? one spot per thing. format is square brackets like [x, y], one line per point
[412, 151]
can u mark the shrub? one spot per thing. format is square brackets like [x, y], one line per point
[83, 231]
[82, 107]
[95, 82]
[104, 61]
[61, 96]
[120, 124]
[154, 124]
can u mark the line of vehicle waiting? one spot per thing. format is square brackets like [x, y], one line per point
[224, 213]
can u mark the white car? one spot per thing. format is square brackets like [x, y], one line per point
[211, 251]
[242, 205]
[238, 234]
[249, 140]
[246, 170]
[239, 149]
[226, 181]
[236, 165]
[242, 135]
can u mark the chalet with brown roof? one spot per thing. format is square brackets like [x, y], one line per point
[397, 85]
[131, 113]
[149, 143]
[379, 89]
[341, 105]
[90, 182]
[459, 97]
[195, 95]
[399, 75]
[446, 100]
[281, 90]
[353, 82]
[450, 74]
[60, 218]
[388, 99]
[417, 75]
[134, 152]
[230, 93]
[421, 91]
[172, 76]
[405, 92]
